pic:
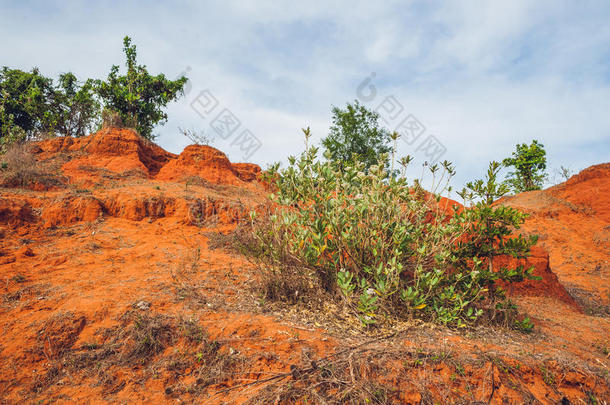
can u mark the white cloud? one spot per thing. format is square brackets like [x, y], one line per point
[482, 76]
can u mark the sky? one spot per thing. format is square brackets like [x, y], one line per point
[463, 81]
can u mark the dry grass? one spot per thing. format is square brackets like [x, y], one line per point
[20, 168]
[138, 342]
[112, 119]
[58, 334]
[290, 286]
[110, 175]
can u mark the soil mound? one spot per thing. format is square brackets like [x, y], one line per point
[573, 222]
[118, 150]
[209, 164]
[247, 171]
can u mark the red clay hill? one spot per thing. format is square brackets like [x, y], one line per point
[123, 151]
[573, 221]
[116, 288]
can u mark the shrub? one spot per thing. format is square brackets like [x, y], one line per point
[488, 233]
[25, 99]
[112, 119]
[75, 110]
[384, 245]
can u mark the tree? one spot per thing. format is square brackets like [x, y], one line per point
[529, 162]
[355, 134]
[30, 104]
[76, 109]
[138, 97]
[24, 103]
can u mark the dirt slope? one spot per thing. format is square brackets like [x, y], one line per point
[113, 290]
[573, 221]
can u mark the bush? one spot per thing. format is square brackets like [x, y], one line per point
[387, 247]
[488, 232]
[31, 104]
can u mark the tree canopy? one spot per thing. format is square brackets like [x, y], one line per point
[356, 134]
[137, 96]
[529, 163]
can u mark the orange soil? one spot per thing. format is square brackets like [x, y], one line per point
[573, 221]
[131, 233]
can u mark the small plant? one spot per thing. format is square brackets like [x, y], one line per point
[524, 325]
[197, 137]
[547, 375]
[562, 174]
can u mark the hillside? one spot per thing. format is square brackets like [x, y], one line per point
[118, 287]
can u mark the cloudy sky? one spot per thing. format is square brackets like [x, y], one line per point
[479, 76]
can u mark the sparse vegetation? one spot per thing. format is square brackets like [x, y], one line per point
[20, 168]
[197, 137]
[137, 341]
[562, 174]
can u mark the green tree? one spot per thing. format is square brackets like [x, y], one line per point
[356, 134]
[76, 110]
[529, 163]
[137, 96]
[24, 103]
[30, 104]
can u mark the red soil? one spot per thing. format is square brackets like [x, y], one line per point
[201, 161]
[130, 234]
[573, 221]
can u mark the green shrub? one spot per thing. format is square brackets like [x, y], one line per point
[489, 233]
[385, 246]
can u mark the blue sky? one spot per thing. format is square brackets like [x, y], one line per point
[479, 75]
